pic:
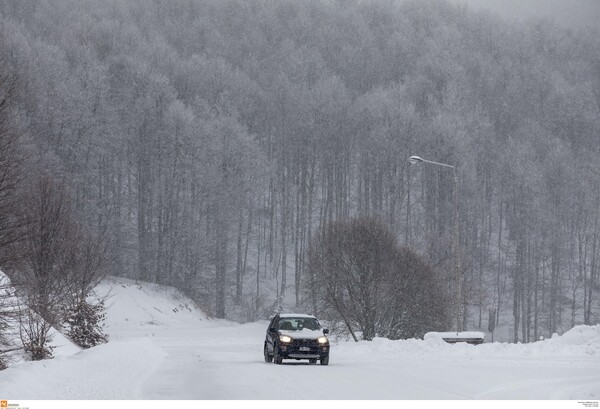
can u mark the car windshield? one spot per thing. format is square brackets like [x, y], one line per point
[298, 324]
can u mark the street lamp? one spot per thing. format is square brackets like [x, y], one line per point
[415, 160]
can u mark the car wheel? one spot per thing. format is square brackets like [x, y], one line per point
[276, 357]
[325, 360]
[268, 358]
[312, 361]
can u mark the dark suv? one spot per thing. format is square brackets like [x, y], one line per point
[296, 336]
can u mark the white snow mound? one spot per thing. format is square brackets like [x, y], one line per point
[143, 308]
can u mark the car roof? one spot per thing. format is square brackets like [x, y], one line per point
[292, 315]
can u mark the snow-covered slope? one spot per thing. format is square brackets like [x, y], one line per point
[10, 302]
[163, 347]
[143, 309]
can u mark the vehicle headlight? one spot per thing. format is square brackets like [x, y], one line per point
[322, 340]
[285, 339]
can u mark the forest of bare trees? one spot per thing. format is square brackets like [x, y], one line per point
[204, 144]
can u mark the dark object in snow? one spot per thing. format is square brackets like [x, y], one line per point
[296, 336]
[38, 352]
[470, 337]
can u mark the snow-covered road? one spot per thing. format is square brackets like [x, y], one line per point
[162, 348]
[198, 367]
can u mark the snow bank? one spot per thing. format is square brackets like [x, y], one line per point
[582, 339]
[116, 370]
[579, 341]
[96, 373]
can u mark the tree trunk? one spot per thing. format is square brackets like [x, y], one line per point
[220, 268]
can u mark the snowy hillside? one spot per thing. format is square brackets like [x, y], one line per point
[162, 347]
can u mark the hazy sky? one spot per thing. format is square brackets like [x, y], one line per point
[570, 13]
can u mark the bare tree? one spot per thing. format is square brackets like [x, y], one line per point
[11, 161]
[367, 281]
[11, 220]
[87, 266]
[46, 255]
[86, 269]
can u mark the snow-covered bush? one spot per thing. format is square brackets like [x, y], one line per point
[84, 324]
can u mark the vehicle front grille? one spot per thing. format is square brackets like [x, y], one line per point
[298, 346]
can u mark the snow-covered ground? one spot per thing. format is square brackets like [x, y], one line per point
[162, 347]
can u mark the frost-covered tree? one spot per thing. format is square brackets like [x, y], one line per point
[84, 324]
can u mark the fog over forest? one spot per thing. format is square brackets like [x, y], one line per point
[573, 14]
[208, 145]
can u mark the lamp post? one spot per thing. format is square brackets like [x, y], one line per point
[415, 160]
